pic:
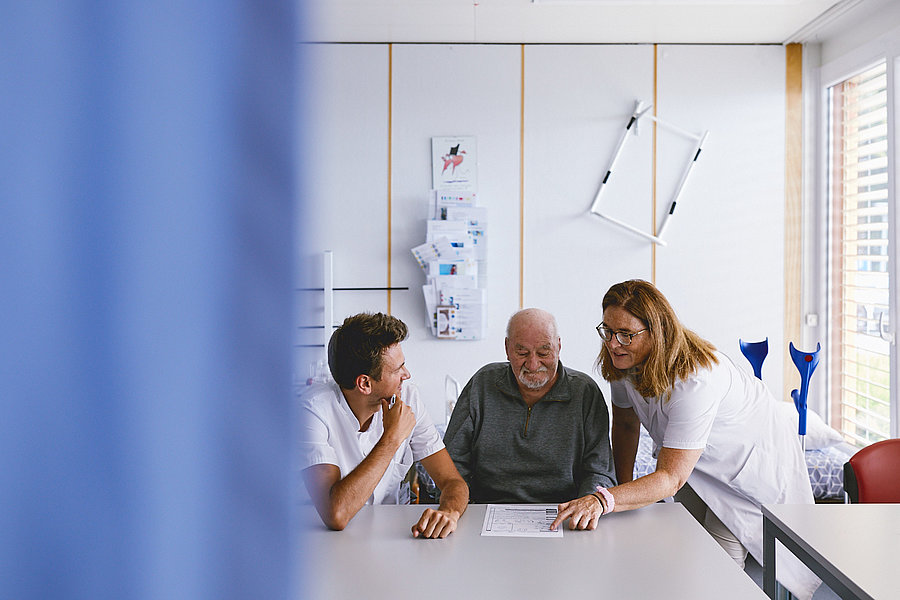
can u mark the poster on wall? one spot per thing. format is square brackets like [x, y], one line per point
[454, 163]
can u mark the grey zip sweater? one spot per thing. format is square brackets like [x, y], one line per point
[553, 452]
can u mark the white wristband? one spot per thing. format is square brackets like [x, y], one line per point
[610, 500]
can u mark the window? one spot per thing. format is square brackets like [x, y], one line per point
[858, 272]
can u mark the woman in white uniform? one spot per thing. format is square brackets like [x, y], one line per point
[714, 426]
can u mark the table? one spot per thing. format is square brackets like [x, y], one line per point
[853, 548]
[658, 551]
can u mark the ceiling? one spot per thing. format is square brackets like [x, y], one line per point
[567, 21]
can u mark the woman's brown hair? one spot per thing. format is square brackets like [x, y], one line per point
[675, 352]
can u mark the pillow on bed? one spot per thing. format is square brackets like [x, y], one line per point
[818, 434]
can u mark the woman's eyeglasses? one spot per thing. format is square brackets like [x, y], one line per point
[623, 337]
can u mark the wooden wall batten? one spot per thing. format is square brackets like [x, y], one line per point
[793, 213]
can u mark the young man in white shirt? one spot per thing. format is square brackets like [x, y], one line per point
[360, 434]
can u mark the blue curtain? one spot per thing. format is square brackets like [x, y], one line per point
[147, 191]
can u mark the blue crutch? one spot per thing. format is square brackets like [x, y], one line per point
[756, 353]
[806, 363]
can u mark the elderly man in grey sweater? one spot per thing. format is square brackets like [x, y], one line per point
[531, 430]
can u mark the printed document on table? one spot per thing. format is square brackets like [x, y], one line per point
[520, 520]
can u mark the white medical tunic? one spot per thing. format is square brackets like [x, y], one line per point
[749, 457]
[329, 434]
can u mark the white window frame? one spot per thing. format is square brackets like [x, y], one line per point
[817, 227]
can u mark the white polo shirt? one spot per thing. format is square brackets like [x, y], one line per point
[750, 456]
[329, 434]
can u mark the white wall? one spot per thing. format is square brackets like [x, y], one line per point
[455, 90]
[857, 28]
[578, 101]
[344, 154]
[722, 268]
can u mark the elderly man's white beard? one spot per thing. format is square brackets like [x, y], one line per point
[523, 373]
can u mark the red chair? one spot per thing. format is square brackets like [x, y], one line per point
[873, 474]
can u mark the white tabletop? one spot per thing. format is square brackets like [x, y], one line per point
[857, 543]
[658, 551]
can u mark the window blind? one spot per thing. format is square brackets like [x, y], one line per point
[858, 269]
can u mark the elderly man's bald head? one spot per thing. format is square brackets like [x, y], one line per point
[533, 318]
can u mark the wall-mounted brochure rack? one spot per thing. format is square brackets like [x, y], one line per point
[454, 261]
